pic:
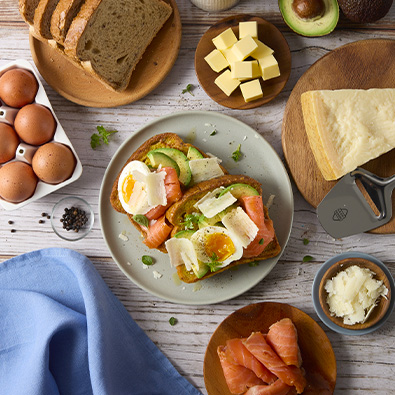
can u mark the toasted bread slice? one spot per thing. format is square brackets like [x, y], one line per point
[27, 9]
[164, 140]
[175, 215]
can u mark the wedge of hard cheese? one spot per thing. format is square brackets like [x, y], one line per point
[348, 127]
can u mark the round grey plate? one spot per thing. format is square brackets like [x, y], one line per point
[259, 161]
[316, 299]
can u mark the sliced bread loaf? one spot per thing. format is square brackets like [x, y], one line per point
[42, 18]
[109, 37]
[62, 17]
[27, 9]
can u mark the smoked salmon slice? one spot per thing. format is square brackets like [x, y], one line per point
[276, 388]
[283, 338]
[253, 206]
[157, 233]
[290, 375]
[173, 193]
[237, 377]
[236, 351]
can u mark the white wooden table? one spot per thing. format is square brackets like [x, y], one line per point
[365, 363]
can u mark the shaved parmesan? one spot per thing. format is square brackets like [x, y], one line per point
[181, 252]
[156, 192]
[240, 225]
[210, 205]
[205, 169]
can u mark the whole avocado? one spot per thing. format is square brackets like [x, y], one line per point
[310, 18]
[365, 11]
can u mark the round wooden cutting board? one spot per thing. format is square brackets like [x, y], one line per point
[359, 65]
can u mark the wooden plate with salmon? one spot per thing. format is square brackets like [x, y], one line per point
[318, 362]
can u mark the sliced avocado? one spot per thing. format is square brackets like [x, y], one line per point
[310, 18]
[240, 190]
[194, 153]
[182, 162]
[201, 270]
[186, 234]
[159, 158]
[365, 11]
[204, 221]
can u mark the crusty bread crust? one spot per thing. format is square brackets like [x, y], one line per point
[186, 206]
[42, 18]
[170, 140]
[309, 104]
[27, 9]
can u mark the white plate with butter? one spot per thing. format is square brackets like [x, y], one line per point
[259, 160]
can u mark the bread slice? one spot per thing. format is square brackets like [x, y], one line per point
[175, 215]
[42, 18]
[109, 37]
[27, 9]
[348, 127]
[164, 140]
[62, 17]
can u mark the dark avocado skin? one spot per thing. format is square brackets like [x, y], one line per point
[315, 27]
[365, 11]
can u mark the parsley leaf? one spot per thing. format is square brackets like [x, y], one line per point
[213, 133]
[147, 260]
[213, 265]
[307, 258]
[188, 89]
[261, 241]
[172, 321]
[190, 220]
[140, 219]
[306, 241]
[236, 155]
[101, 137]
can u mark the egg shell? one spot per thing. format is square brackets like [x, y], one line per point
[9, 142]
[35, 124]
[18, 87]
[53, 163]
[17, 182]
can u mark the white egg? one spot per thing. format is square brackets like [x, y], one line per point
[216, 243]
[139, 189]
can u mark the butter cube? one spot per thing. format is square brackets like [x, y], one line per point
[226, 83]
[251, 90]
[244, 47]
[242, 70]
[216, 60]
[225, 40]
[229, 55]
[269, 67]
[262, 51]
[248, 29]
[256, 71]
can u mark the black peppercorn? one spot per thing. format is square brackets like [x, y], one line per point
[74, 219]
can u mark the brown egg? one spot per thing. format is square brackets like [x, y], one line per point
[9, 142]
[17, 182]
[53, 163]
[35, 124]
[18, 87]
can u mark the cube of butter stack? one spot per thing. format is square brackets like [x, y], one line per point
[269, 67]
[243, 48]
[226, 83]
[216, 60]
[251, 90]
[262, 51]
[249, 28]
[242, 70]
[225, 40]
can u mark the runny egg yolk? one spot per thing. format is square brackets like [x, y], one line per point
[127, 187]
[219, 244]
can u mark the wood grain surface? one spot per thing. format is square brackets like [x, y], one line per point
[269, 35]
[75, 84]
[365, 364]
[360, 65]
[318, 357]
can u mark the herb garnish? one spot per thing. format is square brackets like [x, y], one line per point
[172, 321]
[213, 264]
[307, 258]
[261, 241]
[190, 220]
[140, 219]
[102, 137]
[188, 89]
[147, 260]
[306, 241]
[236, 155]
[213, 133]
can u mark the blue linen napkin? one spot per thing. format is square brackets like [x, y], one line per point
[62, 331]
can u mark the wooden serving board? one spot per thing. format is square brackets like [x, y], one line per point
[359, 65]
